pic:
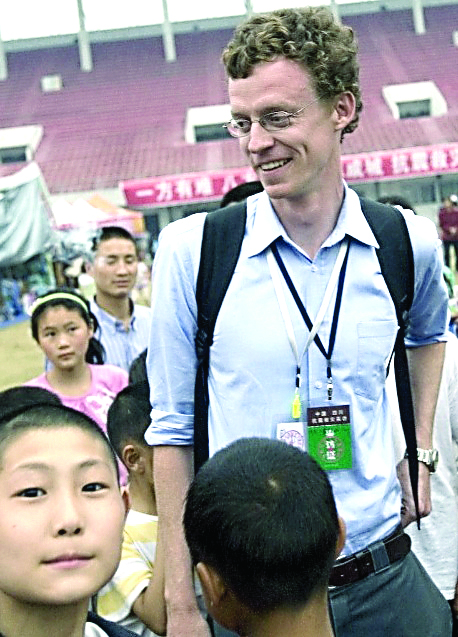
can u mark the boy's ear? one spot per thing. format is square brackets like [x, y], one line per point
[221, 602]
[212, 584]
[126, 499]
[132, 458]
[342, 537]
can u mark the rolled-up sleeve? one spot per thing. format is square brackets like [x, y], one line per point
[171, 360]
[428, 317]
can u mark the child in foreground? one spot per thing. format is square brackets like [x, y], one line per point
[135, 596]
[62, 518]
[263, 531]
[63, 326]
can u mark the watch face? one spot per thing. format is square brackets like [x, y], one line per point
[429, 457]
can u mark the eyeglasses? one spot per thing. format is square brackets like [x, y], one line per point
[278, 120]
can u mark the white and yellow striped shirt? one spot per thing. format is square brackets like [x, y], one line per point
[135, 570]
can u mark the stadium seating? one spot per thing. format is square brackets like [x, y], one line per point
[125, 119]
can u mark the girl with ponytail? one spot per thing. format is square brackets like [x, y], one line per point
[63, 326]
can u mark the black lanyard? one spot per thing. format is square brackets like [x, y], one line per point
[305, 316]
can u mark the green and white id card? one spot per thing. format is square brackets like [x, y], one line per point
[329, 436]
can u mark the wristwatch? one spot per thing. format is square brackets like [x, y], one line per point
[429, 457]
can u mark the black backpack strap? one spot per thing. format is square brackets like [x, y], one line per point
[397, 264]
[223, 234]
[395, 253]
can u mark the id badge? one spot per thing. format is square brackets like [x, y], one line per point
[293, 433]
[329, 436]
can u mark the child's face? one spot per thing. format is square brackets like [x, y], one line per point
[63, 336]
[61, 518]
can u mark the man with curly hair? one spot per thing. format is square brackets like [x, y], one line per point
[306, 330]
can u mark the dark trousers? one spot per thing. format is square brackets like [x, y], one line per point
[455, 620]
[400, 600]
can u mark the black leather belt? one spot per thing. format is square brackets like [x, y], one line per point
[359, 565]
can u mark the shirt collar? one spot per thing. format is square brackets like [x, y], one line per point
[351, 222]
[264, 226]
[111, 321]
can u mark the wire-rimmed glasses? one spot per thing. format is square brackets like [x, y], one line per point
[278, 120]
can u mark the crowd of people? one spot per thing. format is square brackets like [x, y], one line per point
[302, 520]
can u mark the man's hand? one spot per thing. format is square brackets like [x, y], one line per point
[186, 624]
[172, 475]
[408, 514]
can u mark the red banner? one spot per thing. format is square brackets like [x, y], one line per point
[365, 167]
[186, 188]
[421, 161]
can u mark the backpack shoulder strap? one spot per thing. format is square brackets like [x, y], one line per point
[396, 260]
[395, 253]
[222, 238]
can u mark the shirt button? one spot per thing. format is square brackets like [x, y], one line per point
[314, 268]
[318, 384]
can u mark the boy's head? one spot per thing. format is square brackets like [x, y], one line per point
[128, 419]
[62, 511]
[241, 192]
[23, 408]
[137, 370]
[262, 527]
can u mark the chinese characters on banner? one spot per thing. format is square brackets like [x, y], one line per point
[188, 188]
[212, 185]
[404, 162]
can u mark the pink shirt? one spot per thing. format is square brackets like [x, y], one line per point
[107, 381]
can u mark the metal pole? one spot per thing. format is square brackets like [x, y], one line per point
[335, 9]
[84, 45]
[167, 35]
[3, 62]
[418, 17]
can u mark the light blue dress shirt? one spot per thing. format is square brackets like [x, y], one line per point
[121, 345]
[252, 367]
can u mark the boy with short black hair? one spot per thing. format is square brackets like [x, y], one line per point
[261, 524]
[62, 517]
[134, 597]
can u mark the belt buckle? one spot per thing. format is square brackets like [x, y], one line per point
[351, 571]
[364, 563]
